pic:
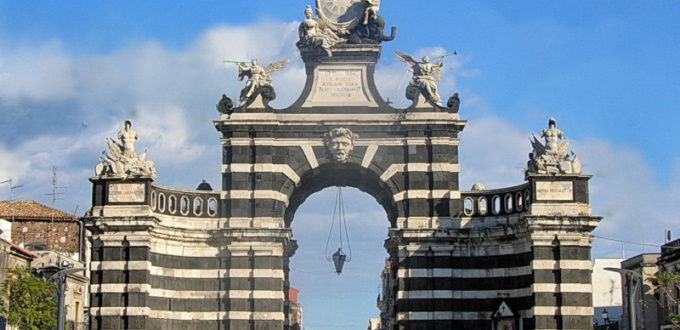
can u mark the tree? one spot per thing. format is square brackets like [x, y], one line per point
[27, 301]
[666, 285]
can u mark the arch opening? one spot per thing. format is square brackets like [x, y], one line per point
[323, 293]
[342, 175]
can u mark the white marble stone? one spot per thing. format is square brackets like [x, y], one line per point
[554, 190]
[340, 85]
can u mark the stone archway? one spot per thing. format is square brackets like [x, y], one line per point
[344, 174]
[455, 256]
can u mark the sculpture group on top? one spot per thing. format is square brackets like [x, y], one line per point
[340, 22]
[312, 34]
[123, 161]
[553, 156]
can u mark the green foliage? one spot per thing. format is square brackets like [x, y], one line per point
[27, 301]
[666, 283]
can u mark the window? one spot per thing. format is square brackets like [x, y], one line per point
[35, 246]
[184, 205]
[172, 204]
[481, 205]
[198, 206]
[161, 202]
[212, 207]
[508, 203]
[496, 204]
[468, 206]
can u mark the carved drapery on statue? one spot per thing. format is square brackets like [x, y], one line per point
[315, 32]
[339, 142]
[343, 22]
[425, 77]
[122, 161]
[258, 78]
[552, 157]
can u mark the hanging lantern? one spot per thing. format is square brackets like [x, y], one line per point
[339, 258]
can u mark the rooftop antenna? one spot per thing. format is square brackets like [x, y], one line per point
[54, 193]
[55, 198]
[11, 196]
[11, 188]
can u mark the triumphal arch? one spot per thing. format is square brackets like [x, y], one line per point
[509, 258]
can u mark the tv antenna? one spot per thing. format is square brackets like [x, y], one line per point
[55, 197]
[11, 195]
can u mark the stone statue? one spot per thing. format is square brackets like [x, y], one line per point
[312, 34]
[128, 137]
[339, 142]
[425, 76]
[123, 161]
[257, 77]
[372, 8]
[552, 157]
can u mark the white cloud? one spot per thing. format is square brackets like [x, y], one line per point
[12, 167]
[37, 74]
[169, 94]
[493, 152]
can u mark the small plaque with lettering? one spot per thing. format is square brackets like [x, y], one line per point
[345, 86]
[127, 193]
[554, 190]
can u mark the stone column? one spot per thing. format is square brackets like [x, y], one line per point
[559, 225]
[120, 273]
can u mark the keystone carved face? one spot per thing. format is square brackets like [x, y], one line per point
[339, 142]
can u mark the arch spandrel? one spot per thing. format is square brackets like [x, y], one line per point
[344, 174]
[409, 172]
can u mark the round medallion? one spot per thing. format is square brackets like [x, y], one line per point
[340, 13]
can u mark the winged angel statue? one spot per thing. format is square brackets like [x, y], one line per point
[257, 77]
[123, 161]
[425, 75]
[553, 156]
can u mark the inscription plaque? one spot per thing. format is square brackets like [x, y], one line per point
[127, 193]
[554, 190]
[339, 87]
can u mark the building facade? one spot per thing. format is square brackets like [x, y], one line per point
[54, 239]
[38, 227]
[669, 263]
[516, 257]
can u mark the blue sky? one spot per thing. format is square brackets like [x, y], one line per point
[71, 72]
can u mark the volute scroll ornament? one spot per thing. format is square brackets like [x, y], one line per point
[553, 156]
[339, 142]
[123, 161]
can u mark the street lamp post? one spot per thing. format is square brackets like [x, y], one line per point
[605, 316]
[632, 280]
[59, 279]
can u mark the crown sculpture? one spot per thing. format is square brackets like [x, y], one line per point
[122, 161]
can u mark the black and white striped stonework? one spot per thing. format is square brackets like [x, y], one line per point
[184, 259]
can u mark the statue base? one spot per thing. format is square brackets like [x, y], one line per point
[344, 79]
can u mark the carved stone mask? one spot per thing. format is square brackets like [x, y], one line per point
[339, 142]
